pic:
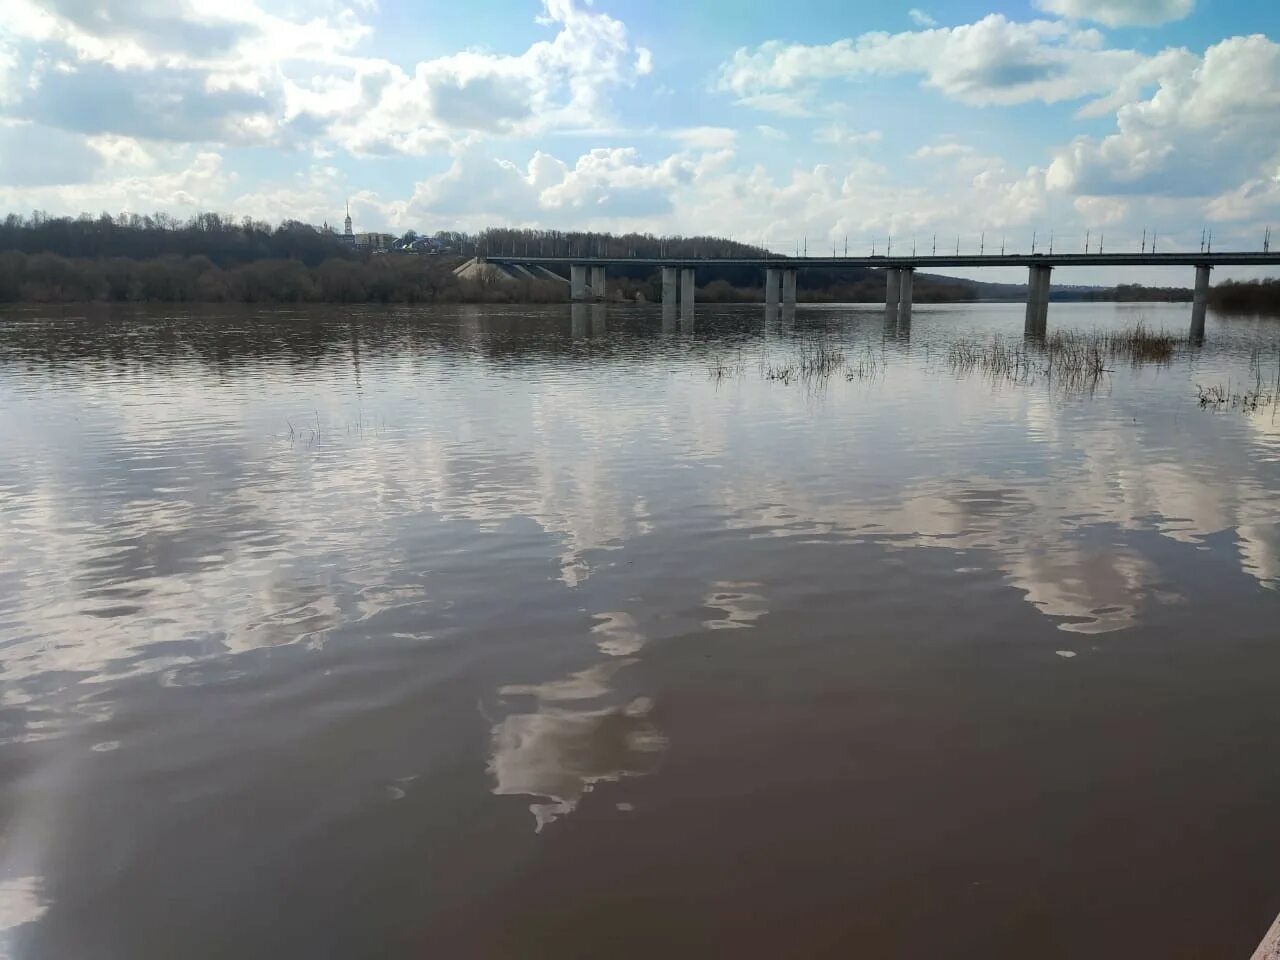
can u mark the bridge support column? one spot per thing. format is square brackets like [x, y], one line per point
[1037, 322]
[1033, 300]
[577, 281]
[904, 294]
[789, 288]
[598, 290]
[687, 293]
[772, 282]
[670, 285]
[1045, 285]
[1200, 303]
[892, 293]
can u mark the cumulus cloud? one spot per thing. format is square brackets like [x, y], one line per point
[699, 191]
[840, 134]
[605, 188]
[947, 150]
[920, 18]
[199, 71]
[558, 83]
[1251, 200]
[992, 61]
[1210, 120]
[1120, 13]
[160, 104]
[198, 183]
[709, 138]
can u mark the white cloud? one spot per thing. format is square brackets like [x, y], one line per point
[920, 18]
[1254, 199]
[992, 61]
[707, 138]
[230, 72]
[557, 83]
[1210, 120]
[193, 185]
[605, 188]
[949, 149]
[771, 133]
[709, 191]
[1120, 13]
[1101, 211]
[783, 104]
[840, 134]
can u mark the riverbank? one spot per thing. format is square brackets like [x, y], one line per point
[391, 278]
[49, 278]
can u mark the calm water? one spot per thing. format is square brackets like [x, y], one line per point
[528, 633]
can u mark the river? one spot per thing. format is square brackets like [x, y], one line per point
[538, 632]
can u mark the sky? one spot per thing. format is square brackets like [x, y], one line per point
[804, 125]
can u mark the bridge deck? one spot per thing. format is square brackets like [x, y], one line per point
[1234, 259]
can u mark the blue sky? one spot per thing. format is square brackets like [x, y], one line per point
[775, 123]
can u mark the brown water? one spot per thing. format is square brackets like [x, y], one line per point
[528, 633]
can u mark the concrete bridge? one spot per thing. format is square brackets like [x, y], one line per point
[587, 274]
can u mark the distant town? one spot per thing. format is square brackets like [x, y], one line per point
[372, 242]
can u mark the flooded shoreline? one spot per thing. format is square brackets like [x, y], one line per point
[528, 631]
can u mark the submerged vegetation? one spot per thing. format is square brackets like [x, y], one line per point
[1075, 362]
[813, 361]
[1070, 359]
[1261, 392]
[1219, 397]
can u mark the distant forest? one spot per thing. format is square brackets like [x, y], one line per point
[213, 258]
[229, 242]
[1136, 293]
[1247, 296]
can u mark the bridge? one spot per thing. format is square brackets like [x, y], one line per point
[587, 274]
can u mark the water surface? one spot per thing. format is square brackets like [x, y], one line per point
[511, 632]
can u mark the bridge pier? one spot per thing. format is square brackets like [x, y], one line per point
[892, 293]
[687, 293]
[905, 282]
[789, 288]
[598, 290]
[1037, 321]
[1200, 302]
[578, 281]
[1045, 285]
[670, 285]
[772, 283]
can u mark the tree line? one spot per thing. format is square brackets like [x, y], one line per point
[223, 240]
[50, 278]
[1262, 296]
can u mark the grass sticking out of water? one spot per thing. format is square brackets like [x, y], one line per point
[819, 358]
[722, 368]
[1218, 397]
[1069, 359]
[1139, 344]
